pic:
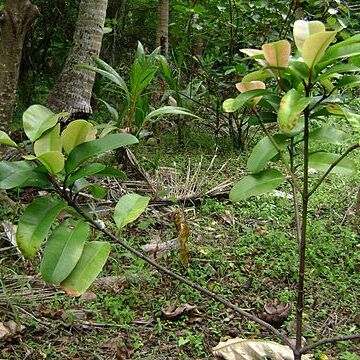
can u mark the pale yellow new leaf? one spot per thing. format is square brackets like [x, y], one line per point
[315, 46]
[277, 54]
[251, 85]
[256, 53]
[304, 29]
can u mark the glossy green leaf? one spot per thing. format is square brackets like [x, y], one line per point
[87, 170]
[264, 151]
[335, 70]
[14, 173]
[53, 161]
[98, 191]
[89, 149]
[348, 81]
[300, 69]
[6, 140]
[322, 161]
[108, 72]
[266, 117]
[304, 29]
[315, 46]
[345, 49]
[329, 135]
[37, 119]
[110, 171]
[352, 118]
[35, 223]
[129, 208]
[291, 106]
[257, 75]
[252, 185]
[252, 85]
[113, 112]
[63, 250]
[80, 185]
[91, 262]
[232, 105]
[168, 110]
[76, 133]
[38, 178]
[50, 141]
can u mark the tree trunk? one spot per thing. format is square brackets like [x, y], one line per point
[15, 19]
[72, 93]
[163, 27]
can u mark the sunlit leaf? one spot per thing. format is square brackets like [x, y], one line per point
[91, 262]
[277, 54]
[260, 183]
[304, 29]
[63, 250]
[53, 161]
[291, 106]
[6, 140]
[76, 133]
[315, 46]
[328, 85]
[35, 223]
[50, 141]
[129, 208]
[257, 75]
[37, 119]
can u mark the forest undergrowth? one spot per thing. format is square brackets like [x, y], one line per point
[245, 252]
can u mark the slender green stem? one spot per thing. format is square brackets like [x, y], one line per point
[323, 177]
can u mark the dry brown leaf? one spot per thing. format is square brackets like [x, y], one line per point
[112, 284]
[174, 312]
[242, 349]
[9, 329]
[88, 296]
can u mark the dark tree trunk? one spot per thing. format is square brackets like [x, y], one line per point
[15, 19]
[72, 93]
